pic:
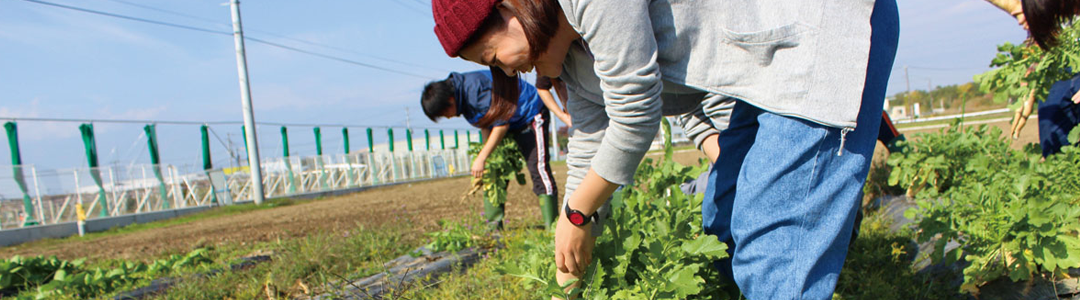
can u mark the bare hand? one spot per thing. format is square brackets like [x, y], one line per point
[565, 117]
[477, 168]
[1022, 114]
[1076, 98]
[573, 247]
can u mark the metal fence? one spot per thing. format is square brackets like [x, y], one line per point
[120, 190]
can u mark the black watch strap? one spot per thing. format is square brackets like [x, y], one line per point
[578, 218]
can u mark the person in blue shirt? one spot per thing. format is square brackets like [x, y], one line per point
[469, 95]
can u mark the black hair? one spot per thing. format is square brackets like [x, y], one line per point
[436, 98]
[1044, 19]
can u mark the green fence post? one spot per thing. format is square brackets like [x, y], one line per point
[442, 139]
[468, 137]
[390, 133]
[348, 160]
[155, 161]
[393, 161]
[427, 139]
[287, 162]
[243, 135]
[345, 137]
[20, 179]
[408, 139]
[90, 145]
[480, 136]
[207, 162]
[319, 163]
[318, 141]
[370, 142]
[457, 145]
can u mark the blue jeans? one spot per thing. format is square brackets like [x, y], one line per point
[783, 197]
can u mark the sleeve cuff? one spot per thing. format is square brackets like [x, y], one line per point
[615, 165]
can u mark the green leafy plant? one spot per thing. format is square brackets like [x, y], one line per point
[1012, 78]
[49, 278]
[19, 272]
[1012, 215]
[457, 236]
[504, 164]
[653, 247]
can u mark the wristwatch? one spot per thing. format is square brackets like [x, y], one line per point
[578, 218]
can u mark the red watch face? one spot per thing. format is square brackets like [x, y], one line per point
[577, 218]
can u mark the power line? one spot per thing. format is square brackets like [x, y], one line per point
[96, 12]
[134, 121]
[344, 60]
[421, 3]
[411, 8]
[175, 13]
[281, 36]
[945, 68]
[327, 56]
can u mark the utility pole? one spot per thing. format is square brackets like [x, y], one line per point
[907, 97]
[407, 124]
[249, 115]
[930, 92]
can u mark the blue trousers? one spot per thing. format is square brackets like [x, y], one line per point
[784, 192]
[1058, 115]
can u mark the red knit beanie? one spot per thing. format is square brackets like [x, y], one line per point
[457, 20]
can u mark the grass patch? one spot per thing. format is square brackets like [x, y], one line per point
[879, 266]
[483, 280]
[216, 212]
[304, 266]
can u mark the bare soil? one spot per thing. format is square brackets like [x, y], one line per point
[422, 205]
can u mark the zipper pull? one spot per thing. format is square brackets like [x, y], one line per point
[843, 138]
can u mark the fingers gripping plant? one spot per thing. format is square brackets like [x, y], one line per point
[653, 246]
[504, 164]
[1027, 72]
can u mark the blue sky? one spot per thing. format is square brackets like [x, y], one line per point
[57, 63]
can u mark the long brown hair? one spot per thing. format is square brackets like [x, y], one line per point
[539, 20]
[1044, 19]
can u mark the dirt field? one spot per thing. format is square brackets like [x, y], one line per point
[421, 203]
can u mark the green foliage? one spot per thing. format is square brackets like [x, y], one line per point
[457, 236]
[48, 278]
[940, 160]
[1014, 61]
[504, 164]
[321, 261]
[879, 267]
[653, 247]
[20, 272]
[1013, 215]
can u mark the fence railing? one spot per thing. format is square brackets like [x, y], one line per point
[119, 190]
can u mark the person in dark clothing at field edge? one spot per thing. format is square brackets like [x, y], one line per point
[469, 95]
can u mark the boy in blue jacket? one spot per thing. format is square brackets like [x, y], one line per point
[469, 95]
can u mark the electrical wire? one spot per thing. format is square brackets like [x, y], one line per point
[945, 68]
[344, 60]
[108, 14]
[131, 121]
[411, 8]
[280, 36]
[422, 3]
[137, 19]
